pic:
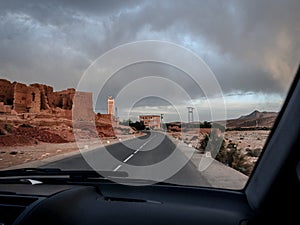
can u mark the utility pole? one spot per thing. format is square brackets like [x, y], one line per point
[161, 120]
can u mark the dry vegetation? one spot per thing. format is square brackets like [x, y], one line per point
[237, 149]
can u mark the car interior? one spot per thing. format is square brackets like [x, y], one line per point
[50, 196]
[149, 112]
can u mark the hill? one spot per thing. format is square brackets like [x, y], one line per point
[256, 119]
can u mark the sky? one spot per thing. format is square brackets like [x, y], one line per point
[251, 47]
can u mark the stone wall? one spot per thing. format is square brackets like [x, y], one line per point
[6, 92]
[35, 98]
[2, 109]
[107, 117]
[47, 96]
[64, 99]
[83, 107]
[26, 99]
[20, 96]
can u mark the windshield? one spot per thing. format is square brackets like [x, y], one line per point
[166, 91]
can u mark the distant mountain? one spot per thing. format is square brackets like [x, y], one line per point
[254, 119]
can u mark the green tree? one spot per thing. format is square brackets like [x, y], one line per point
[138, 125]
[205, 125]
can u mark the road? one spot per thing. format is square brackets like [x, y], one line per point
[143, 151]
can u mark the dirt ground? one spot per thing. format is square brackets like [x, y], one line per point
[248, 139]
[23, 141]
[17, 155]
[248, 146]
[243, 139]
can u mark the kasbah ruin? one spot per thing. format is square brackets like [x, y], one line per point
[36, 113]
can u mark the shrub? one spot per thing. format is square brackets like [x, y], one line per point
[194, 138]
[253, 152]
[234, 158]
[212, 143]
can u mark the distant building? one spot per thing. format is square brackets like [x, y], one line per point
[151, 121]
[111, 113]
[110, 105]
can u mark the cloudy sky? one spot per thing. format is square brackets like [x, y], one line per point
[252, 48]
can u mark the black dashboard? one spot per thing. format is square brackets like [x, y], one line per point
[112, 203]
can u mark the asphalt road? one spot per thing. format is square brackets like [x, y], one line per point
[143, 151]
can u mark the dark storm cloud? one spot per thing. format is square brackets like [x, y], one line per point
[52, 42]
[262, 35]
[249, 45]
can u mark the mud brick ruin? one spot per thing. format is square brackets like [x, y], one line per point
[17, 98]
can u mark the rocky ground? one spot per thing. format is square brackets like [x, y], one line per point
[244, 147]
[21, 154]
[254, 139]
[38, 137]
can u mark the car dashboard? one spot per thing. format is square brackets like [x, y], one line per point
[113, 203]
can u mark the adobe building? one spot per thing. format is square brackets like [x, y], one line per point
[46, 94]
[6, 92]
[19, 98]
[110, 110]
[110, 106]
[111, 114]
[6, 96]
[151, 121]
[64, 99]
[26, 99]
[83, 106]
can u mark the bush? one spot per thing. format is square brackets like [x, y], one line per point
[212, 143]
[194, 138]
[205, 125]
[253, 152]
[137, 125]
[234, 158]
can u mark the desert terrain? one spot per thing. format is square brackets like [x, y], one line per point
[37, 122]
[242, 140]
[23, 141]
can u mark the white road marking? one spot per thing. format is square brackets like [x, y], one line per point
[118, 167]
[129, 157]
[143, 145]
